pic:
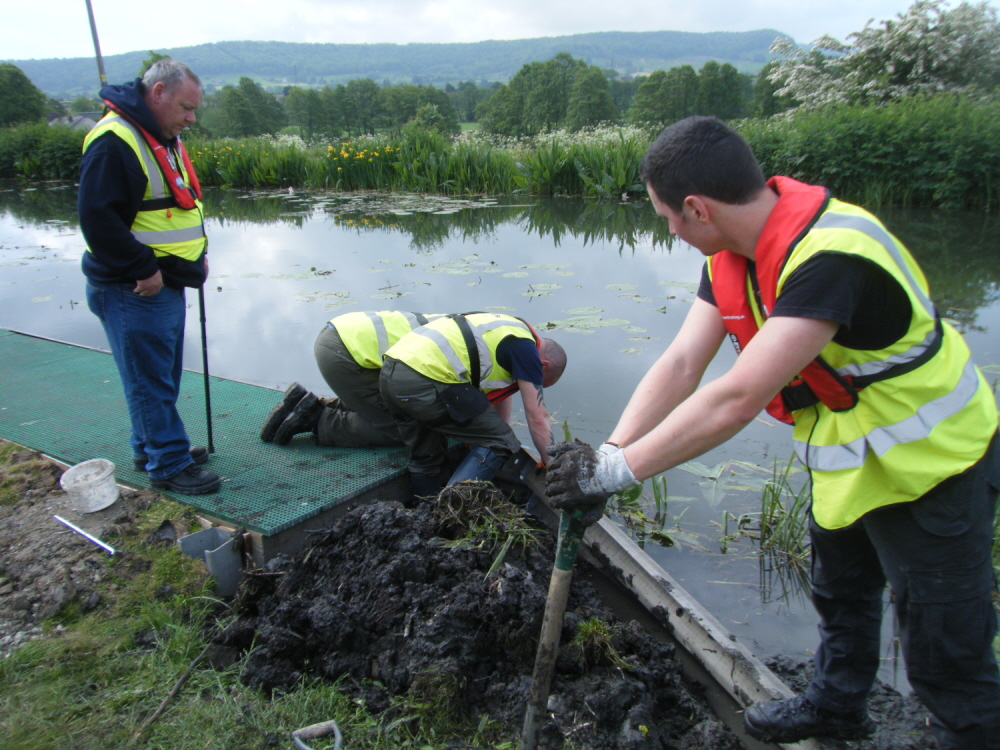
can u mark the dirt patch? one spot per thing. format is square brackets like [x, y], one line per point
[391, 601]
[44, 566]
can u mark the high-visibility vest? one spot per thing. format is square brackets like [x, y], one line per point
[368, 335]
[438, 351]
[883, 426]
[160, 223]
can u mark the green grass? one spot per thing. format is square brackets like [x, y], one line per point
[91, 687]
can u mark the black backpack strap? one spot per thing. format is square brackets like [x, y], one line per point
[470, 344]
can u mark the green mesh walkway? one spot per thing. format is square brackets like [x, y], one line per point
[67, 402]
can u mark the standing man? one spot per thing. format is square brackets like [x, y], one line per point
[441, 380]
[838, 336]
[349, 353]
[145, 233]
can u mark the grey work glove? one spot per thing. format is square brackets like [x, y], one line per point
[580, 478]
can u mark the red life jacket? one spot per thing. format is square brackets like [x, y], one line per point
[798, 208]
[500, 394]
[184, 195]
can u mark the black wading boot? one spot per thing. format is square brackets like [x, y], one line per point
[795, 719]
[304, 418]
[282, 409]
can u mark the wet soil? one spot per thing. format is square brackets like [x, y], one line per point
[387, 601]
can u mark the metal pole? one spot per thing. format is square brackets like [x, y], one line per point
[97, 45]
[204, 361]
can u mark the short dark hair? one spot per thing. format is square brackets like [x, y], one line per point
[701, 156]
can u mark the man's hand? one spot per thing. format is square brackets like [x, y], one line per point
[580, 478]
[149, 287]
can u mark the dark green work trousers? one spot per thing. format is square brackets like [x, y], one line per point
[935, 553]
[357, 418]
[414, 401]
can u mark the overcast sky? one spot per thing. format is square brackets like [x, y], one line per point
[59, 28]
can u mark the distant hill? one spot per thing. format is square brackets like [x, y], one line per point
[282, 63]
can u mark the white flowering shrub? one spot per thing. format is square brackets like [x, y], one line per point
[928, 49]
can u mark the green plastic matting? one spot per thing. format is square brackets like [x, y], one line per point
[66, 401]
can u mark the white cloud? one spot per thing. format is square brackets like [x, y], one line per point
[59, 28]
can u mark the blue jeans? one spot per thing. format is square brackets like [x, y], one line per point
[935, 553]
[146, 335]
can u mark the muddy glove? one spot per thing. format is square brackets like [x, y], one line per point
[580, 478]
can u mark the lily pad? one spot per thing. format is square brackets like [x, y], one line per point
[515, 275]
[620, 287]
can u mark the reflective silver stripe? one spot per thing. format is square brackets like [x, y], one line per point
[381, 335]
[170, 235]
[157, 185]
[877, 366]
[834, 220]
[916, 427]
[444, 345]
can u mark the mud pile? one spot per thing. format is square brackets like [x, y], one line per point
[401, 603]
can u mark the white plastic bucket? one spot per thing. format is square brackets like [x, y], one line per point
[91, 485]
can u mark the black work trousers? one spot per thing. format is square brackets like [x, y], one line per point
[935, 553]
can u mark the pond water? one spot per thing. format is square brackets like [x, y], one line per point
[605, 279]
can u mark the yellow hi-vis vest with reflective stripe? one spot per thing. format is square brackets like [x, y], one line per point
[438, 349]
[368, 335]
[168, 230]
[907, 433]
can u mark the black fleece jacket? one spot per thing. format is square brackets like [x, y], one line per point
[112, 184]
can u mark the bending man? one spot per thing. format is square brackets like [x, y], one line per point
[441, 380]
[349, 353]
[839, 338]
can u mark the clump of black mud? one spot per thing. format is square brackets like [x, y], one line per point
[401, 605]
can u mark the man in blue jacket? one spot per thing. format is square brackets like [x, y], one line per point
[144, 227]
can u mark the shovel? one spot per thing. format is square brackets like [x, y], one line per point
[571, 529]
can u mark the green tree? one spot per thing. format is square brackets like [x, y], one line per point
[590, 102]
[148, 62]
[20, 99]
[304, 109]
[85, 104]
[720, 91]
[547, 90]
[649, 104]
[360, 105]
[680, 93]
[503, 112]
[766, 101]
[249, 110]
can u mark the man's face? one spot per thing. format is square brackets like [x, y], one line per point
[698, 234]
[174, 109]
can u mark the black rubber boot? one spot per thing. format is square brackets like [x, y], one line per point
[304, 418]
[191, 480]
[282, 409]
[199, 454]
[795, 719]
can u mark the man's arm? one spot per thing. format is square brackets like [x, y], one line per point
[674, 376]
[537, 417]
[502, 408]
[112, 185]
[720, 409]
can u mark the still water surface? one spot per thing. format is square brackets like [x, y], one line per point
[604, 278]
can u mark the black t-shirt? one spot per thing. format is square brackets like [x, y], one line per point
[871, 307]
[519, 356]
